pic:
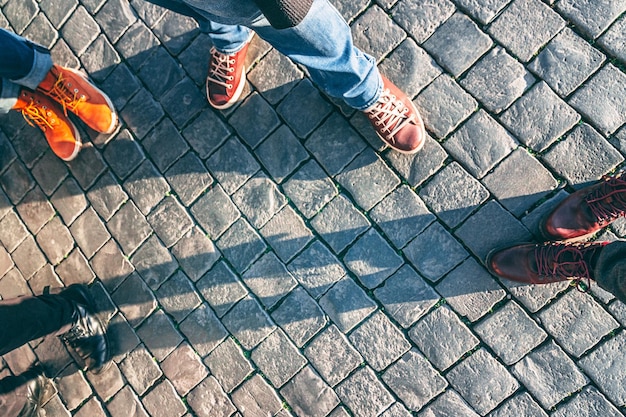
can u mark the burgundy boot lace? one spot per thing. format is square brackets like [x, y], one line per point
[608, 202]
[565, 261]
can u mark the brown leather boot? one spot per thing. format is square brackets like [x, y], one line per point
[544, 263]
[588, 210]
[41, 111]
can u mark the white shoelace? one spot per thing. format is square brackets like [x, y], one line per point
[390, 113]
[221, 69]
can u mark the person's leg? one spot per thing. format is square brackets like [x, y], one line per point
[610, 269]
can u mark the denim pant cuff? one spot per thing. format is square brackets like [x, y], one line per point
[8, 96]
[42, 62]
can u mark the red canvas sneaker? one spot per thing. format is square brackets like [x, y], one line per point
[226, 78]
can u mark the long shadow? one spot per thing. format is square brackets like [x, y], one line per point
[170, 142]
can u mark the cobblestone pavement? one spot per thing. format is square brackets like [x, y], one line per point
[275, 259]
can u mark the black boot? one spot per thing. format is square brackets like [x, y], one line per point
[87, 337]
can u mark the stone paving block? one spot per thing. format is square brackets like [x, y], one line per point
[92, 408]
[154, 262]
[141, 113]
[57, 13]
[184, 369]
[601, 99]
[584, 156]
[29, 145]
[290, 109]
[274, 76]
[308, 395]
[41, 31]
[55, 407]
[12, 231]
[375, 34]
[379, 341]
[16, 181]
[470, 298]
[115, 17]
[188, 178]
[614, 39]
[8, 155]
[442, 337]
[165, 145]
[49, 171]
[334, 144]
[72, 386]
[350, 393]
[13, 285]
[368, 179]
[126, 404]
[134, 299]
[577, 322]
[254, 120]
[35, 210]
[175, 31]
[5, 262]
[480, 157]
[588, 402]
[170, 221]
[241, 245]
[281, 153]
[248, 323]
[286, 233]
[340, 223]
[309, 189]
[605, 366]
[566, 62]
[229, 365]
[447, 404]
[195, 253]
[55, 240]
[215, 212]
[341, 412]
[108, 382]
[592, 18]
[414, 380]
[74, 269]
[401, 215]
[347, 304]
[350, 9]
[140, 370]
[80, 30]
[510, 333]
[178, 297]
[203, 330]
[519, 405]
[53, 355]
[206, 133]
[444, 105]
[194, 58]
[269, 280]
[28, 258]
[146, 187]
[259, 199]
[110, 265]
[129, 227]
[421, 18]
[42, 278]
[525, 26]
[100, 58]
[88, 231]
[209, 400]
[106, 196]
[160, 72]
[335, 364]
[159, 335]
[453, 194]
[299, 316]
[540, 106]
[87, 166]
[519, 182]
[317, 269]
[483, 11]
[137, 44]
[123, 155]
[186, 92]
[549, 374]
[122, 338]
[434, 264]
[278, 358]
[162, 401]
[406, 296]
[232, 165]
[491, 227]
[457, 44]
[497, 80]
[221, 288]
[482, 381]
[409, 67]
[371, 259]
[256, 397]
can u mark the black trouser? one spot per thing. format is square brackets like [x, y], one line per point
[610, 269]
[24, 319]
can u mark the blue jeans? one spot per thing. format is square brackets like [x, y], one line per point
[22, 64]
[322, 43]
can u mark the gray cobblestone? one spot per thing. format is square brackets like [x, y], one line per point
[549, 374]
[374, 21]
[421, 18]
[203, 330]
[520, 405]
[278, 358]
[146, 187]
[134, 299]
[55, 240]
[110, 265]
[215, 222]
[221, 288]
[448, 403]
[162, 401]
[614, 39]
[48, 171]
[269, 280]
[377, 400]
[209, 400]
[340, 223]
[259, 199]
[184, 369]
[254, 120]
[299, 316]
[591, 18]
[309, 395]
[232, 165]
[159, 335]
[228, 365]
[347, 304]
[256, 397]
[248, 322]
[170, 221]
[178, 296]
[309, 189]
[140, 370]
[126, 403]
[588, 402]
[302, 123]
[604, 369]
[241, 245]
[371, 259]
[274, 76]
[483, 11]
[154, 262]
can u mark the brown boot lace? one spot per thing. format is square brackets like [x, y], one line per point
[566, 261]
[39, 115]
[608, 202]
[391, 114]
[222, 67]
[69, 97]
